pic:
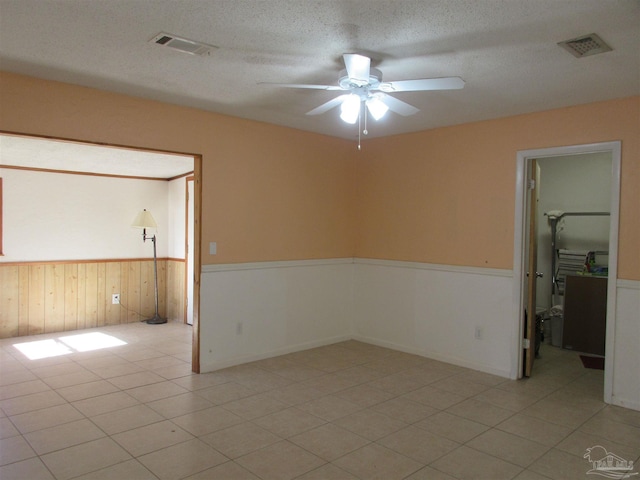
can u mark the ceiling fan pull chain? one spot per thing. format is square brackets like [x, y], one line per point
[359, 130]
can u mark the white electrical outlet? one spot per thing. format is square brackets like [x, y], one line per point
[115, 298]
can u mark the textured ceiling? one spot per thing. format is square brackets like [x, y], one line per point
[48, 154]
[505, 50]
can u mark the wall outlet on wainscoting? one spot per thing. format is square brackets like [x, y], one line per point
[115, 298]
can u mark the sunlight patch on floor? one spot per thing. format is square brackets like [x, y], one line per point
[83, 342]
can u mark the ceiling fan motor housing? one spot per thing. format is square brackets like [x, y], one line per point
[375, 78]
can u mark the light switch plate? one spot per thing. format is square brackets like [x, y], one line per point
[213, 248]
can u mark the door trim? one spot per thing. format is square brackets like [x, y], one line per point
[522, 159]
[197, 261]
[187, 248]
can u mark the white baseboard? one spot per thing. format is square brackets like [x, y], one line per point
[441, 358]
[231, 362]
[624, 403]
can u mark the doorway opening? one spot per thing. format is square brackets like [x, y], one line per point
[111, 182]
[552, 156]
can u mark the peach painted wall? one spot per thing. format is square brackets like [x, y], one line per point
[447, 196]
[268, 193]
[443, 196]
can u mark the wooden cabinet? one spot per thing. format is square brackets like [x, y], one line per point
[585, 314]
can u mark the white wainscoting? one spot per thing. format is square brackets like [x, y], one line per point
[626, 356]
[282, 307]
[434, 310]
[430, 310]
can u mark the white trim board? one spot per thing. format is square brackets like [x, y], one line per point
[628, 284]
[500, 372]
[230, 267]
[435, 267]
[240, 360]
[233, 267]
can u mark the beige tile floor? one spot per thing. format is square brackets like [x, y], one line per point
[344, 411]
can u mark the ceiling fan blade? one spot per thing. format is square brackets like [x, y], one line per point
[358, 68]
[325, 107]
[444, 83]
[302, 85]
[398, 106]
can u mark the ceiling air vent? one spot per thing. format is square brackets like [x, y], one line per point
[182, 44]
[585, 45]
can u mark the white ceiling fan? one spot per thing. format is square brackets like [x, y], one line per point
[363, 85]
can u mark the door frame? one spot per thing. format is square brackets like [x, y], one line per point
[189, 248]
[197, 261]
[523, 158]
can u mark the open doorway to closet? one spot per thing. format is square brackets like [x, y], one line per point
[573, 253]
[71, 258]
[577, 225]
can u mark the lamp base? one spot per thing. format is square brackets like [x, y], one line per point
[156, 320]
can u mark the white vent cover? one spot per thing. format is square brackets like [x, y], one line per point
[585, 45]
[182, 44]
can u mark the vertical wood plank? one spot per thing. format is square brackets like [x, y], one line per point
[91, 295]
[124, 292]
[102, 293]
[175, 297]
[70, 318]
[23, 314]
[179, 290]
[112, 285]
[82, 295]
[147, 299]
[54, 298]
[168, 292]
[133, 292]
[36, 299]
[162, 288]
[9, 301]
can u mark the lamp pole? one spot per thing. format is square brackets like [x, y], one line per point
[156, 320]
[143, 220]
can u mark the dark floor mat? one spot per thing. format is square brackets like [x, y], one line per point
[597, 363]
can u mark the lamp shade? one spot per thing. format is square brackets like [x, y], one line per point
[144, 219]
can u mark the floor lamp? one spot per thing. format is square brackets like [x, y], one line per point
[145, 220]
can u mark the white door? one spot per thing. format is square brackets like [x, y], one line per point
[190, 249]
[532, 274]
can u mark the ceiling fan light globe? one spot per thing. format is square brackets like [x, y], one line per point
[350, 109]
[349, 118]
[377, 108]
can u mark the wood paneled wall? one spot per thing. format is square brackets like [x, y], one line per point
[52, 297]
